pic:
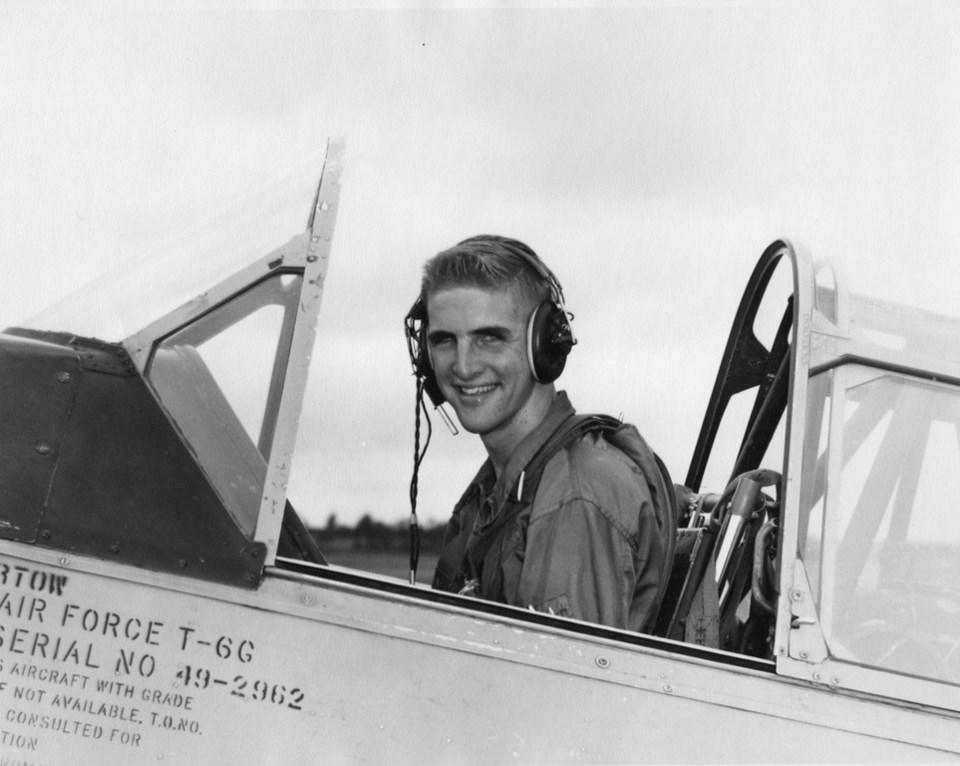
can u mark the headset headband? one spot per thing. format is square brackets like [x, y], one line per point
[549, 334]
[526, 254]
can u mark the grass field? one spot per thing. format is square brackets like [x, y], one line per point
[391, 563]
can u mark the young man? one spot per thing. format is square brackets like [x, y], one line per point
[590, 536]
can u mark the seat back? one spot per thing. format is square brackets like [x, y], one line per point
[715, 568]
[690, 609]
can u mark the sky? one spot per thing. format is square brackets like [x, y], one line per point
[648, 152]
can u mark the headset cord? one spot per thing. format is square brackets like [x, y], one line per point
[418, 455]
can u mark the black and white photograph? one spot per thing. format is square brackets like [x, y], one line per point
[479, 382]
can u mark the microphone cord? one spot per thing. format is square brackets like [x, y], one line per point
[418, 456]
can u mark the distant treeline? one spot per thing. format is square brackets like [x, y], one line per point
[372, 535]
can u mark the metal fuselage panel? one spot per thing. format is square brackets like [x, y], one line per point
[38, 386]
[105, 664]
[91, 464]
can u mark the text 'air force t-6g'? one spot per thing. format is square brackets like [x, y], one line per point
[161, 601]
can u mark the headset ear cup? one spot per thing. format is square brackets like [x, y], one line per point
[415, 328]
[549, 340]
[425, 368]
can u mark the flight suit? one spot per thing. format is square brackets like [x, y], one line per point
[587, 542]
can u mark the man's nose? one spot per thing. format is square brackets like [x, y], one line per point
[466, 362]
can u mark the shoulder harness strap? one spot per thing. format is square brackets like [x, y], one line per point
[521, 494]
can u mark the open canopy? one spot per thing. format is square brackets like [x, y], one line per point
[857, 402]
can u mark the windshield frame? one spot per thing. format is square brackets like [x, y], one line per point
[306, 254]
[835, 329]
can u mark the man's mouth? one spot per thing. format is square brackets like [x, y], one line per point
[476, 390]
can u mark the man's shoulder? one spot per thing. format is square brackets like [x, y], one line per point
[593, 469]
[596, 453]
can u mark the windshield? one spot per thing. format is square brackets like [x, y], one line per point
[147, 286]
[230, 419]
[882, 543]
[898, 328]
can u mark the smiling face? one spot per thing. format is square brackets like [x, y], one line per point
[477, 341]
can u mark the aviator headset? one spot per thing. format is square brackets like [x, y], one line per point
[549, 335]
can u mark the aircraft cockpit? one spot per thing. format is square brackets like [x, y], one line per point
[816, 565]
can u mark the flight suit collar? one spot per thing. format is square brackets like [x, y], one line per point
[560, 410]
